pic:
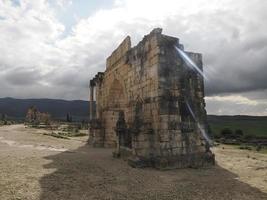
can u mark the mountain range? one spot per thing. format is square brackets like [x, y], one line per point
[58, 109]
[16, 109]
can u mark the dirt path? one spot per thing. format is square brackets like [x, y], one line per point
[34, 166]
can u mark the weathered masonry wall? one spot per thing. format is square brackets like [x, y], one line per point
[142, 104]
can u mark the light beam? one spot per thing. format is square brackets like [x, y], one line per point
[203, 132]
[189, 62]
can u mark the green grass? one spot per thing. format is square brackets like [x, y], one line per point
[66, 135]
[249, 125]
[56, 135]
[72, 134]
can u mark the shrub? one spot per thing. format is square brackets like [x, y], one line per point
[248, 137]
[227, 133]
[238, 133]
[259, 147]
[245, 147]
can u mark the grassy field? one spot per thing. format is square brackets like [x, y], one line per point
[250, 125]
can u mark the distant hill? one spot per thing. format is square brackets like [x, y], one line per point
[17, 108]
[250, 125]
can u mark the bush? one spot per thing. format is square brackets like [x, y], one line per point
[248, 137]
[227, 133]
[245, 147]
[238, 133]
[259, 147]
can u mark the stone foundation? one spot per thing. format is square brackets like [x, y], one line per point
[198, 160]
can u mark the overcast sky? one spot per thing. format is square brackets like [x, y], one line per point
[51, 48]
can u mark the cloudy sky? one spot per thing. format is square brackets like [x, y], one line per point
[51, 48]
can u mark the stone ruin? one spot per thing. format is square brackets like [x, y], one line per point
[150, 105]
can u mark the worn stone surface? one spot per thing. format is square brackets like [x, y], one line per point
[151, 86]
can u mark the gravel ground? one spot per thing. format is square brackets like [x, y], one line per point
[35, 166]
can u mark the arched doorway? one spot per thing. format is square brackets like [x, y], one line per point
[116, 96]
[116, 104]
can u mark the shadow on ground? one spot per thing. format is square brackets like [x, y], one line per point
[91, 173]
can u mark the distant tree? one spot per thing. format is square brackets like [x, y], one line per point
[259, 147]
[84, 124]
[210, 134]
[3, 117]
[227, 133]
[69, 117]
[239, 133]
[249, 137]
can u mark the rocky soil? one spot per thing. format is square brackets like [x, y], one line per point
[35, 166]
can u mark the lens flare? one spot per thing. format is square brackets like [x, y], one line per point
[190, 63]
[203, 132]
[191, 111]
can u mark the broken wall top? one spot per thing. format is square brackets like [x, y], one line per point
[119, 52]
[155, 38]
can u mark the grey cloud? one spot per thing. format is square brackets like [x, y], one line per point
[255, 44]
[44, 91]
[233, 43]
[232, 40]
[22, 76]
[73, 78]
[241, 72]
[258, 95]
[230, 108]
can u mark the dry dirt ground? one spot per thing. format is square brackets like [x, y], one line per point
[35, 166]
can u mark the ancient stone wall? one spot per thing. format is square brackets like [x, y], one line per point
[160, 99]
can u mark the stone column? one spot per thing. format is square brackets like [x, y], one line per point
[91, 114]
